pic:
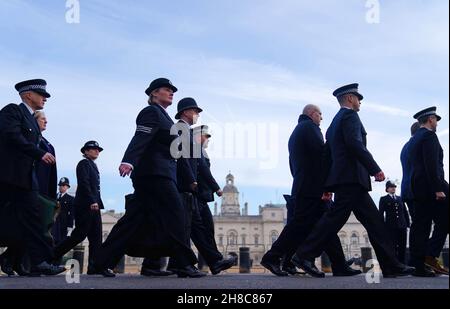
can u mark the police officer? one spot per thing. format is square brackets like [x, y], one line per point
[306, 148]
[64, 221]
[153, 170]
[396, 219]
[350, 166]
[429, 188]
[87, 205]
[19, 152]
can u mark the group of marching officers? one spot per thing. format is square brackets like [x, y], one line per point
[172, 181]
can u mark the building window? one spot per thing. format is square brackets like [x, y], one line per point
[343, 238]
[273, 215]
[273, 236]
[256, 240]
[220, 240]
[354, 239]
[232, 238]
[243, 240]
[366, 239]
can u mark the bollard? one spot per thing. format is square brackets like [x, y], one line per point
[366, 255]
[325, 262]
[445, 257]
[244, 260]
[120, 267]
[78, 254]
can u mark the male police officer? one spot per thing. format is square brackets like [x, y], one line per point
[19, 153]
[153, 171]
[350, 164]
[397, 219]
[64, 221]
[87, 205]
[429, 188]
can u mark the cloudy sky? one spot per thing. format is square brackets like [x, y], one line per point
[251, 65]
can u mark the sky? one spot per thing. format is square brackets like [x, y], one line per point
[252, 65]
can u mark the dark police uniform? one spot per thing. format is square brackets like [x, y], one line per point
[19, 153]
[306, 151]
[427, 178]
[65, 218]
[350, 167]
[154, 179]
[88, 222]
[46, 174]
[397, 222]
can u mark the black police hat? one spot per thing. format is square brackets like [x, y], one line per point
[64, 181]
[351, 88]
[203, 130]
[390, 184]
[35, 85]
[91, 145]
[159, 83]
[184, 104]
[427, 112]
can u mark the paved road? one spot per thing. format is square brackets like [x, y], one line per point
[223, 281]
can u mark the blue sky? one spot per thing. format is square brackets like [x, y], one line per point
[250, 62]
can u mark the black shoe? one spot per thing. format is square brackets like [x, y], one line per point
[308, 266]
[222, 265]
[104, 272]
[190, 271]
[346, 272]
[46, 269]
[21, 271]
[292, 270]
[148, 272]
[398, 271]
[6, 266]
[273, 267]
[423, 272]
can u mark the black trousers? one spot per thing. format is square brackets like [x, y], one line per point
[347, 199]
[88, 223]
[399, 237]
[425, 212]
[197, 231]
[25, 228]
[306, 214]
[158, 201]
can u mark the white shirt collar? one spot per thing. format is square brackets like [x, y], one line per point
[346, 107]
[29, 108]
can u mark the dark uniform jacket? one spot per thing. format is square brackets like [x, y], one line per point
[397, 215]
[306, 153]
[149, 150]
[207, 185]
[64, 219]
[88, 189]
[346, 143]
[427, 166]
[406, 169]
[19, 151]
[46, 174]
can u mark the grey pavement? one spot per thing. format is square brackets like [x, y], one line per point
[223, 281]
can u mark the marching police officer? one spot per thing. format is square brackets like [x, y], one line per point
[396, 219]
[429, 188]
[350, 166]
[64, 221]
[19, 153]
[87, 205]
[306, 149]
[153, 171]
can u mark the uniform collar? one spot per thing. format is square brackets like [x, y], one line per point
[28, 108]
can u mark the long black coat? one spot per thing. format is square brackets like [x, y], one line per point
[19, 151]
[207, 185]
[149, 150]
[47, 174]
[397, 215]
[88, 189]
[351, 162]
[306, 152]
[65, 218]
[427, 165]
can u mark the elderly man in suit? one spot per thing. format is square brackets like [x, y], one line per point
[20, 136]
[350, 165]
